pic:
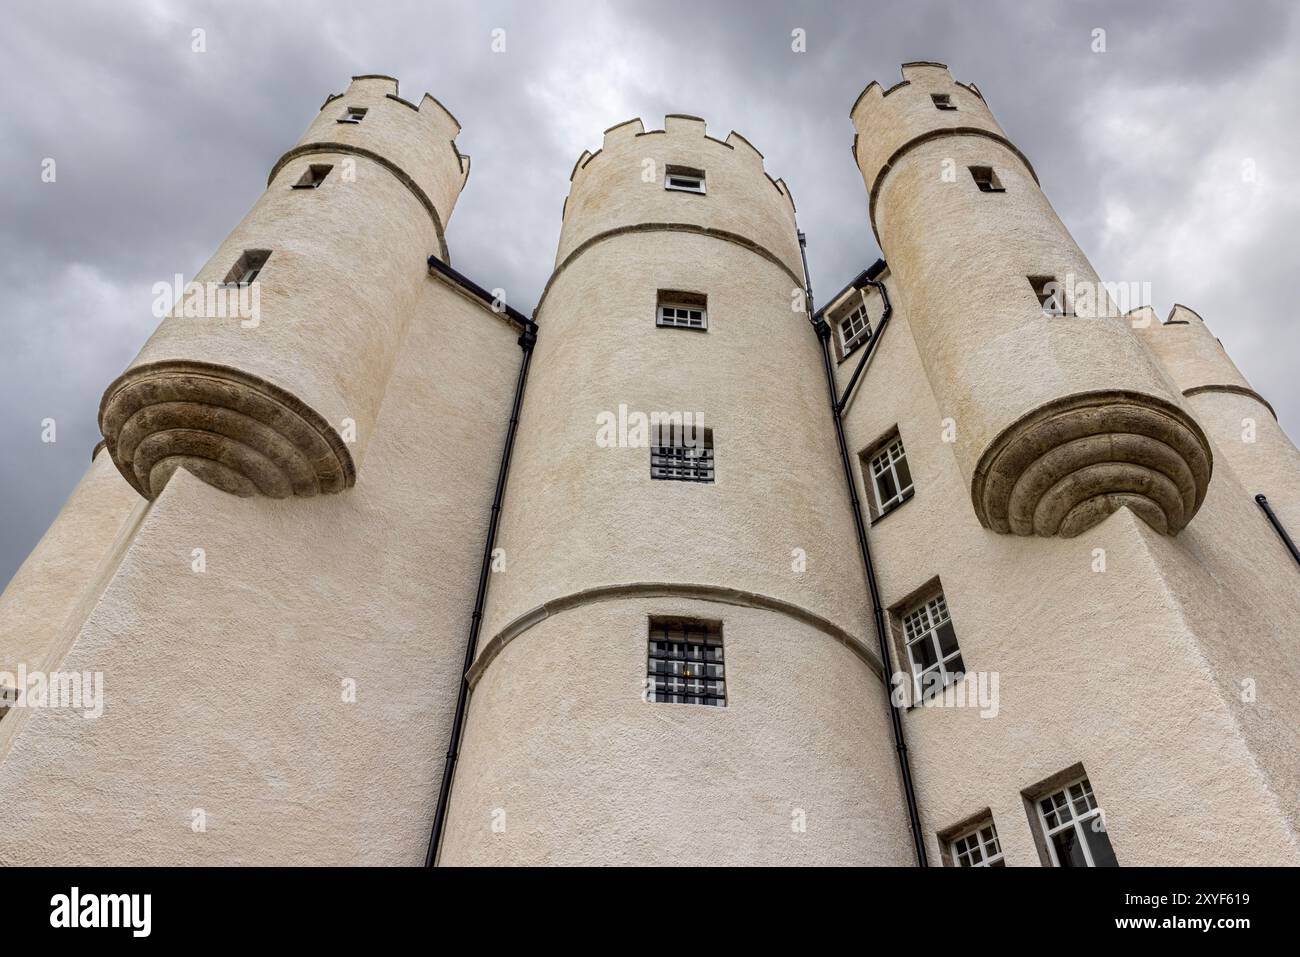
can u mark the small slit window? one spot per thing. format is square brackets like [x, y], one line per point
[682, 310]
[986, 179]
[685, 662]
[353, 114]
[684, 179]
[943, 101]
[247, 267]
[1051, 295]
[681, 453]
[313, 176]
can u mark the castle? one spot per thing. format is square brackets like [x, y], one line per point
[964, 566]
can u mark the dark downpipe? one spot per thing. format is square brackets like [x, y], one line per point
[526, 342]
[878, 612]
[1262, 501]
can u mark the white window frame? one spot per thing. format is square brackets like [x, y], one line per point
[988, 849]
[921, 623]
[889, 456]
[851, 337]
[670, 314]
[1076, 820]
[689, 182]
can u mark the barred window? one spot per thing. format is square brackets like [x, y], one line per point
[1075, 828]
[978, 847]
[891, 478]
[855, 329]
[685, 664]
[685, 310]
[683, 454]
[932, 645]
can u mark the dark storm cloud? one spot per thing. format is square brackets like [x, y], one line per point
[161, 150]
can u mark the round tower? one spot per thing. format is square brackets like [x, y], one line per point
[727, 559]
[1238, 420]
[267, 376]
[1059, 418]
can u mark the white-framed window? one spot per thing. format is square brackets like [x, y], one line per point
[978, 847]
[891, 478]
[684, 179]
[353, 114]
[682, 315]
[931, 645]
[1075, 827]
[855, 329]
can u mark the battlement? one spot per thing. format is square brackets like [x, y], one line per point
[622, 185]
[416, 142]
[1190, 353]
[689, 131]
[927, 103]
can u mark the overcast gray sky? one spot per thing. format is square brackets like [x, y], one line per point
[161, 150]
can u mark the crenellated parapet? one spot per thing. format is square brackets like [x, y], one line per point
[907, 114]
[1191, 354]
[620, 187]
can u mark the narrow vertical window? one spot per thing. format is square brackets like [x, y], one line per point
[681, 453]
[855, 329]
[986, 179]
[931, 645]
[313, 176]
[684, 178]
[942, 101]
[889, 476]
[682, 310]
[247, 267]
[685, 662]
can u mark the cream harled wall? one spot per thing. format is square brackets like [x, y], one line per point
[560, 746]
[1059, 421]
[279, 674]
